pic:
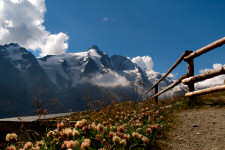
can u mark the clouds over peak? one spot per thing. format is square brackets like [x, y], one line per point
[55, 44]
[144, 62]
[21, 21]
[109, 80]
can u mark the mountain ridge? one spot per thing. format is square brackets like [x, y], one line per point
[69, 78]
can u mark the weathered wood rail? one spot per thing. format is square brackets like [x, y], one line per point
[189, 79]
[204, 76]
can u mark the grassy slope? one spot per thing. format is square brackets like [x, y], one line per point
[127, 125]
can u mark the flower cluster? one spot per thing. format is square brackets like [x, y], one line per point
[118, 126]
[86, 144]
[11, 136]
[70, 144]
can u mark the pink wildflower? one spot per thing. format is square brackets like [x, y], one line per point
[123, 142]
[85, 128]
[86, 144]
[11, 136]
[39, 143]
[11, 147]
[60, 125]
[78, 124]
[28, 145]
[105, 123]
[136, 135]
[145, 139]
[111, 134]
[116, 138]
[117, 117]
[100, 127]
[75, 132]
[120, 128]
[149, 130]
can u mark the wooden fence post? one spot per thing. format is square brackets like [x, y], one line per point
[190, 73]
[156, 91]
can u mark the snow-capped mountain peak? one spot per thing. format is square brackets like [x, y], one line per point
[67, 76]
[72, 69]
[12, 51]
[18, 56]
[121, 63]
[66, 70]
[96, 48]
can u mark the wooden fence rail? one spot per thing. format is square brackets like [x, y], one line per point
[170, 70]
[189, 79]
[204, 76]
[206, 49]
[206, 91]
[170, 86]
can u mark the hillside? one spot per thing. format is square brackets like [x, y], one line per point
[132, 125]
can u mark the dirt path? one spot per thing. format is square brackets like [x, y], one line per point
[202, 129]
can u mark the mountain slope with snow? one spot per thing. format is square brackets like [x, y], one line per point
[67, 70]
[69, 78]
[97, 68]
[21, 80]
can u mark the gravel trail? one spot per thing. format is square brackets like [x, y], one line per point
[199, 129]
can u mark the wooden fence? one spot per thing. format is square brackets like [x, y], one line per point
[189, 79]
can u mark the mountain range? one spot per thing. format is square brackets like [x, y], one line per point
[68, 81]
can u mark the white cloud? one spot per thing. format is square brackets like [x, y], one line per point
[110, 79]
[171, 75]
[105, 19]
[215, 66]
[144, 62]
[21, 21]
[218, 80]
[55, 44]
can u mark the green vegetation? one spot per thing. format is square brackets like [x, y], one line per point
[126, 125]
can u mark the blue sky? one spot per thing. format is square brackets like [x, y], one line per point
[160, 29]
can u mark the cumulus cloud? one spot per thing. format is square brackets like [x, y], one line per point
[55, 44]
[21, 21]
[144, 62]
[219, 80]
[110, 79]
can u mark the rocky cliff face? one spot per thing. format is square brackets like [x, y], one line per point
[21, 80]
